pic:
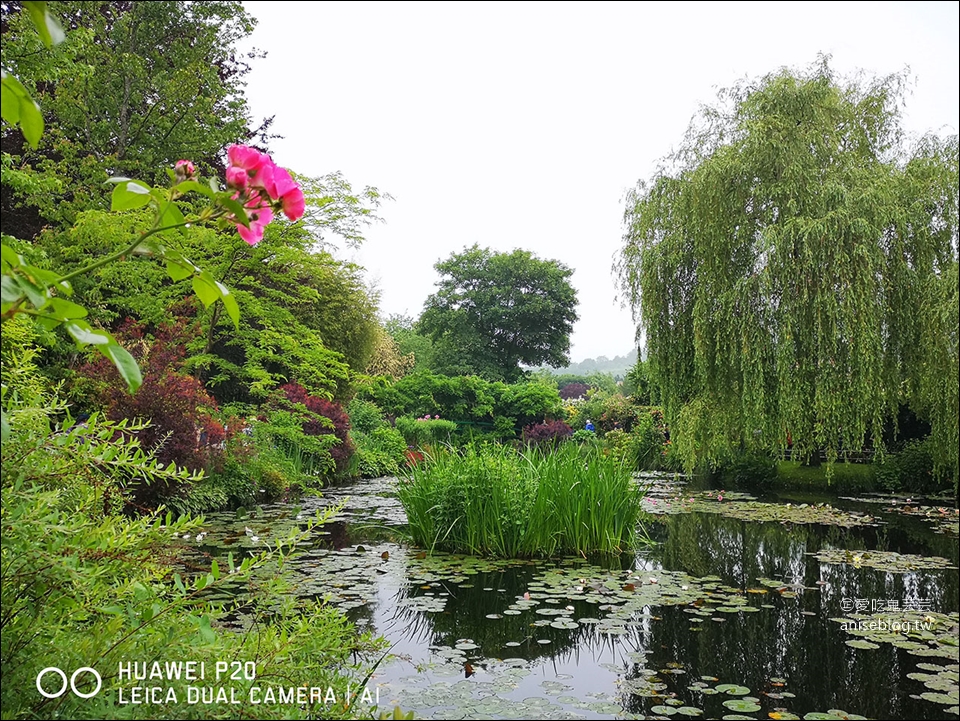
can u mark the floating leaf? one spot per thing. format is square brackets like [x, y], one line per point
[741, 705]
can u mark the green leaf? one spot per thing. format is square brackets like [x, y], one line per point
[130, 194]
[38, 295]
[64, 309]
[205, 631]
[84, 334]
[9, 100]
[125, 363]
[214, 569]
[4, 426]
[9, 290]
[235, 207]
[230, 303]
[171, 215]
[10, 256]
[47, 26]
[178, 270]
[18, 108]
[31, 121]
[205, 289]
[188, 186]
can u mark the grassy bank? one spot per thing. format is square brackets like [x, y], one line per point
[852, 477]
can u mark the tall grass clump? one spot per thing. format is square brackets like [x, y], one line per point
[496, 500]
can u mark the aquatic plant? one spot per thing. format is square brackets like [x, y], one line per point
[500, 501]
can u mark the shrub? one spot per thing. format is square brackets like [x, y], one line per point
[583, 436]
[497, 500]
[183, 428]
[465, 399]
[426, 431]
[748, 468]
[643, 447]
[911, 469]
[549, 433]
[574, 390]
[318, 418]
[83, 586]
[365, 416]
[380, 453]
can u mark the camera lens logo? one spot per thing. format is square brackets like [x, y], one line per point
[72, 683]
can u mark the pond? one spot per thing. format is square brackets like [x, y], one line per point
[786, 606]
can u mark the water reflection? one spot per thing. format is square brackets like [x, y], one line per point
[664, 648]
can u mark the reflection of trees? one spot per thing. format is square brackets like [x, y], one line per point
[809, 651]
[464, 617]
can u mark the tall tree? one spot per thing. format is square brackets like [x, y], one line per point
[133, 88]
[494, 311]
[793, 268]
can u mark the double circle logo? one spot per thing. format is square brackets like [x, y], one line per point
[72, 682]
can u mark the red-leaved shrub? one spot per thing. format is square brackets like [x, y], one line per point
[337, 421]
[574, 390]
[183, 427]
[548, 432]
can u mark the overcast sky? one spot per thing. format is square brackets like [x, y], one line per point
[522, 125]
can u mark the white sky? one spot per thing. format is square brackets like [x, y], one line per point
[522, 125]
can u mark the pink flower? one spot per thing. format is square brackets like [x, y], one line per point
[263, 188]
[283, 188]
[237, 177]
[259, 218]
[258, 166]
[184, 170]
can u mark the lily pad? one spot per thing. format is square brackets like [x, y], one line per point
[664, 710]
[883, 560]
[732, 689]
[737, 704]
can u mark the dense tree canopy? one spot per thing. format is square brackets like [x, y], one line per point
[133, 88]
[794, 270]
[494, 311]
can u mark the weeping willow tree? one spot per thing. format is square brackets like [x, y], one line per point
[793, 270]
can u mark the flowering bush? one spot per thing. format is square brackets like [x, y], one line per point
[263, 188]
[426, 430]
[256, 188]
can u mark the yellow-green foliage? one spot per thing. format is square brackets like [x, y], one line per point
[794, 270]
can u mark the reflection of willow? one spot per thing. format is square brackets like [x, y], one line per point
[809, 651]
[750, 649]
[708, 544]
[465, 617]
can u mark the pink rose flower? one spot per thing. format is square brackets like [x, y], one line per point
[184, 170]
[263, 188]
